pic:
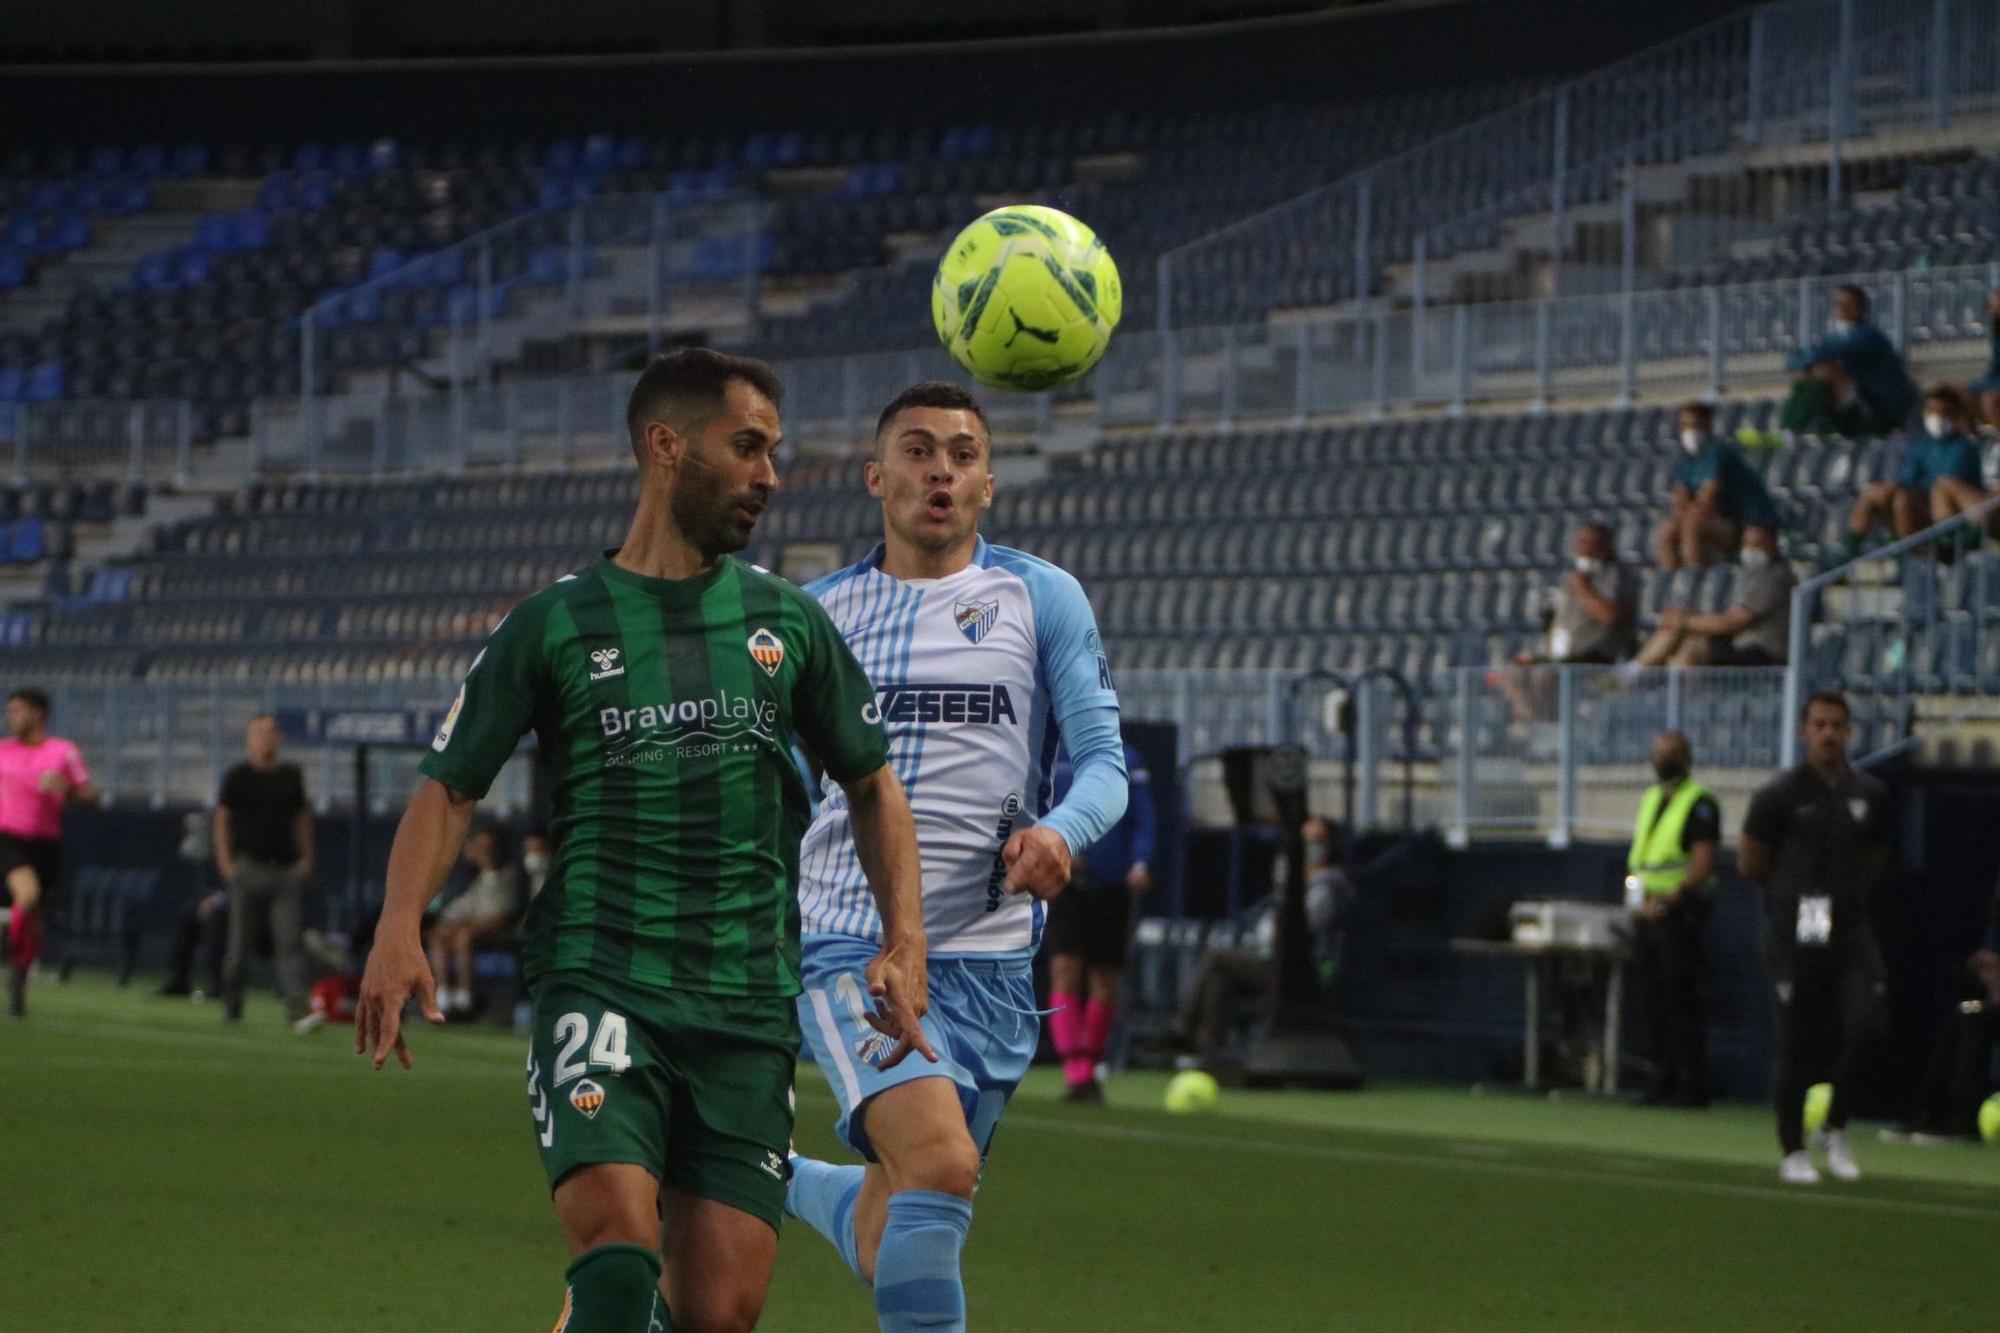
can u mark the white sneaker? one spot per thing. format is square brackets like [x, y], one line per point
[1798, 1169]
[1839, 1154]
[311, 1022]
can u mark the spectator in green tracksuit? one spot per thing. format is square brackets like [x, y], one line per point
[1716, 493]
[1939, 475]
[1853, 381]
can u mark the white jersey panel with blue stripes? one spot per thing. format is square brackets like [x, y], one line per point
[974, 674]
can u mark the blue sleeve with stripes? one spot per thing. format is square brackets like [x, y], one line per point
[1085, 706]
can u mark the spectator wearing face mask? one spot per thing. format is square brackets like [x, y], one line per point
[535, 861]
[1942, 453]
[1754, 631]
[1669, 886]
[1952, 435]
[1594, 621]
[1229, 979]
[1716, 494]
[1853, 381]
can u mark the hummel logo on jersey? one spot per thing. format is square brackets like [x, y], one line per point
[767, 651]
[773, 1165]
[979, 705]
[608, 664]
[588, 1098]
[976, 618]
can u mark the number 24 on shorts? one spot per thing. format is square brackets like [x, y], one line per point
[607, 1052]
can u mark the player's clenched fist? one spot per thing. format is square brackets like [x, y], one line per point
[396, 971]
[1037, 861]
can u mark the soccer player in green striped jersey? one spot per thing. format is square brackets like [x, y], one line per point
[665, 683]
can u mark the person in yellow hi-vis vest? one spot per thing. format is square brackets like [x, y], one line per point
[1669, 886]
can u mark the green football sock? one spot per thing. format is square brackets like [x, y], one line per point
[614, 1289]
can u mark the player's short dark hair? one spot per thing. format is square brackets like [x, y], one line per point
[34, 698]
[1706, 411]
[1831, 698]
[1858, 294]
[687, 386]
[933, 393]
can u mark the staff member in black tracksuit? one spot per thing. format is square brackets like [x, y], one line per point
[1816, 839]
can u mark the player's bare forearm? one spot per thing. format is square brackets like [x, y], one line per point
[427, 841]
[225, 859]
[885, 838]
[1753, 858]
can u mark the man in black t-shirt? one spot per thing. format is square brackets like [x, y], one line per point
[1816, 839]
[264, 851]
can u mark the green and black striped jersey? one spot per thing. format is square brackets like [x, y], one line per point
[665, 711]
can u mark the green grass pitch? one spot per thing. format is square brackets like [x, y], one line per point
[161, 1173]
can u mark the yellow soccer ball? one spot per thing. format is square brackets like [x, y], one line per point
[1989, 1119]
[1191, 1091]
[1819, 1099]
[1026, 298]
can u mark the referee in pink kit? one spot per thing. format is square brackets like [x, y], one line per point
[38, 774]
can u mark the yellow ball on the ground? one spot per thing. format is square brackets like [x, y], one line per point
[1191, 1090]
[1989, 1119]
[1819, 1099]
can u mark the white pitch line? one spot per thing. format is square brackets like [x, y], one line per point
[1337, 1153]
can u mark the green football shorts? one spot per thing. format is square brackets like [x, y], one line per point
[696, 1088]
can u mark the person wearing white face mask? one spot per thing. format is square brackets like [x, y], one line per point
[1752, 632]
[535, 861]
[1960, 482]
[1716, 493]
[1853, 381]
[1593, 621]
[1939, 475]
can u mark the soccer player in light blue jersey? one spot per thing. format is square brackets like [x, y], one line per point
[983, 659]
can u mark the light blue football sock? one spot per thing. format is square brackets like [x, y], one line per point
[822, 1196]
[917, 1283]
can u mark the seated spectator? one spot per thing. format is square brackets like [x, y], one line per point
[1962, 484]
[1594, 622]
[1956, 1080]
[1716, 494]
[1853, 381]
[1754, 631]
[483, 914]
[1986, 389]
[536, 858]
[1940, 463]
[1231, 978]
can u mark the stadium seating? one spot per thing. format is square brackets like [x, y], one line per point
[214, 321]
[1416, 545]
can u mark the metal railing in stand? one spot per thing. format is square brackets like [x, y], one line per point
[715, 240]
[1925, 630]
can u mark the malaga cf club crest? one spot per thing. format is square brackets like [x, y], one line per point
[767, 651]
[976, 618]
[588, 1098]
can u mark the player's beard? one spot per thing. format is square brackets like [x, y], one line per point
[703, 509]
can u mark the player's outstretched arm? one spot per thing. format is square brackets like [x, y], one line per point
[885, 837]
[427, 842]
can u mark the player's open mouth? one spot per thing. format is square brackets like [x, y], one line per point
[939, 504]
